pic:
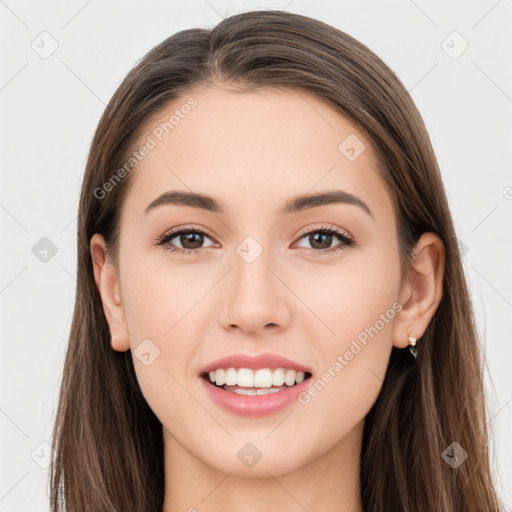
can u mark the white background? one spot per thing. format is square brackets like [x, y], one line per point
[49, 111]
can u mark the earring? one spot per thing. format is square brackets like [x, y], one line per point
[412, 343]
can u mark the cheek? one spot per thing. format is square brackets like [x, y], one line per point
[150, 307]
[357, 303]
[353, 296]
[161, 317]
[160, 298]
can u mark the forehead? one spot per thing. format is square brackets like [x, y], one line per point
[254, 148]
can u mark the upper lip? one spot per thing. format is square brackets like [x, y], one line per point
[266, 360]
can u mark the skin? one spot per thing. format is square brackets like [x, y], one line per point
[253, 151]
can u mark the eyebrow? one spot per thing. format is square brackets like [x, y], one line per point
[294, 204]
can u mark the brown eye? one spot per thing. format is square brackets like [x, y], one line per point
[184, 240]
[188, 240]
[191, 239]
[321, 240]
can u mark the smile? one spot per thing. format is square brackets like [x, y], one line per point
[249, 392]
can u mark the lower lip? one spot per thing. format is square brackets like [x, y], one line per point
[254, 405]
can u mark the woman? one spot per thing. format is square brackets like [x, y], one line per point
[271, 309]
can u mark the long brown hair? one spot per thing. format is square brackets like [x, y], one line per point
[109, 444]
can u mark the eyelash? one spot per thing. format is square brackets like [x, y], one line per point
[346, 240]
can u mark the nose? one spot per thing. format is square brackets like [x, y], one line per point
[254, 299]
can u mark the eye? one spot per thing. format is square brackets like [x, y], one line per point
[321, 240]
[191, 239]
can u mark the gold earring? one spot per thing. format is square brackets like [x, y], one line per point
[412, 343]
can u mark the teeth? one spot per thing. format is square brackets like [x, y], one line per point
[263, 378]
[231, 377]
[278, 377]
[253, 391]
[245, 378]
[219, 377]
[289, 377]
[266, 391]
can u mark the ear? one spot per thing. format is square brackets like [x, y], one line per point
[107, 281]
[421, 294]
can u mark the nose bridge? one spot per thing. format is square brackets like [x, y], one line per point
[251, 266]
[255, 297]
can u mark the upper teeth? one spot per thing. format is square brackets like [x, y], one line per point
[263, 378]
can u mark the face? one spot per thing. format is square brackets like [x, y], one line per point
[318, 284]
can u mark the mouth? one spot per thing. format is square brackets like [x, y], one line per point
[264, 382]
[254, 392]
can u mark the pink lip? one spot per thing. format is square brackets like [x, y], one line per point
[266, 360]
[254, 405]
